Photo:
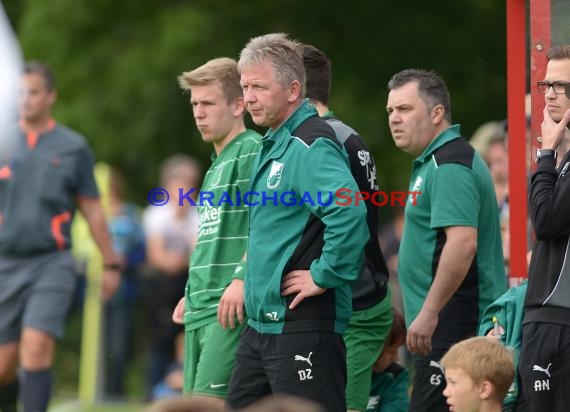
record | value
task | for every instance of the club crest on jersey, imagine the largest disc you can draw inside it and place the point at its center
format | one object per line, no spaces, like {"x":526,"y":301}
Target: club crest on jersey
{"x":415,"y":188}
{"x":275,"y":173}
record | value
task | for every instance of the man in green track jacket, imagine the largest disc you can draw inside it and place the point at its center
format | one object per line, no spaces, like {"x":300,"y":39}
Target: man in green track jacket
{"x":305,"y":246}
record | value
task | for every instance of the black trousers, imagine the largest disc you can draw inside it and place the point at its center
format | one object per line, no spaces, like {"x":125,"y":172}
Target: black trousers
{"x":544,"y":368}
{"x":310,"y":365}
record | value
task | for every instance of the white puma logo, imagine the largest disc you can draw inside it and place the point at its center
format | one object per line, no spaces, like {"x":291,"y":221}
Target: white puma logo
{"x":302,"y":358}
{"x":436,"y":365}
{"x":541,"y":369}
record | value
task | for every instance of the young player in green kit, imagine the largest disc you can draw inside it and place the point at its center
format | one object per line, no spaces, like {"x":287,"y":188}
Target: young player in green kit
{"x":212,"y":308}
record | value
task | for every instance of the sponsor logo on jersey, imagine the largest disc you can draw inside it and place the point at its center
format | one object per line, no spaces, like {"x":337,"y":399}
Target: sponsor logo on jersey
{"x":416,"y":188}
{"x":367,"y":161}
{"x":209,"y":220}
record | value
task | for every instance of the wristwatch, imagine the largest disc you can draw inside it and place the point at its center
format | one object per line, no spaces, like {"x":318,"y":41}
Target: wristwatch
{"x":545,"y":152}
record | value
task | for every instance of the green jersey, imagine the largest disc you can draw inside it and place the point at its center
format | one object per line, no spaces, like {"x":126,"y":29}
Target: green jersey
{"x":456,"y":190}
{"x":223,"y":230}
{"x":389,"y":390}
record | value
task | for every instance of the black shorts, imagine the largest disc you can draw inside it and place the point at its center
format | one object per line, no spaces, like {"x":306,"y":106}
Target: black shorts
{"x":309,"y":365}
{"x":544,"y":368}
{"x":429,"y":383}
{"x":36,"y":293}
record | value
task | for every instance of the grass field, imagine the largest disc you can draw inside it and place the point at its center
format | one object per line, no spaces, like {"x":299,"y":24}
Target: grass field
{"x":66,"y":368}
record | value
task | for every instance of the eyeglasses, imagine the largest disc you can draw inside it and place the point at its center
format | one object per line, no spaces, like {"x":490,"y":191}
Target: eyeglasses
{"x":559,"y":87}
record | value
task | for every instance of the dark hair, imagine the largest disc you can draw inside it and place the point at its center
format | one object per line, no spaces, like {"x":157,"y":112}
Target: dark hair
{"x":431,"y":88}
{"x":558,"y":52}
{"x":35,"y":67}
{"x":397,"y":334}
{"x":318,"y":70}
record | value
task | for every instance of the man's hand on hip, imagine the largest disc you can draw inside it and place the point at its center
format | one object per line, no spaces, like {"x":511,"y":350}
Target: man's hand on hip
{"x":302,"y":283}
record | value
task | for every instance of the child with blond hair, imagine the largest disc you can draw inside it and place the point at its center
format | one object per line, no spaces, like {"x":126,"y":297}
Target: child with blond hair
{"x":479,"y":372}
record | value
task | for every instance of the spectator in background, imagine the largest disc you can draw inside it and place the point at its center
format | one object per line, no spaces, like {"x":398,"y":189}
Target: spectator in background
{"x":41,"y":186}
{"x":390,"y":380}
{"x":170,"y":234}
{"x":173,"y":381}
{"x":450,"y":263}
{"x":497,"y":158}
{"x":128,"y":242}
{"x":485,"y":133}
{"x":490,"y":140}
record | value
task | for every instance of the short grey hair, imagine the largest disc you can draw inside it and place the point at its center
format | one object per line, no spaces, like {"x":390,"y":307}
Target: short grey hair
{"x":284,"y":55}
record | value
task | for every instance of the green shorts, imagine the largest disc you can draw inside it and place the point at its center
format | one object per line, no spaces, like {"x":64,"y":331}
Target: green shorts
{"x":209,"y":355}
{"x":364,"y":338}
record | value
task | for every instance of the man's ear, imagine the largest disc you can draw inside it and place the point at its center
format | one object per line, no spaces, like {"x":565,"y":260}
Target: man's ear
{"x":486,"y":390}
{"x":437,"y":114}
{"x":52,"y":97}
{"x":294,"y":90}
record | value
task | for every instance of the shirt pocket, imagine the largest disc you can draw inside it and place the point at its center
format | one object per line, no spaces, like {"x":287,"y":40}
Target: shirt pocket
{"x":53,"y":182}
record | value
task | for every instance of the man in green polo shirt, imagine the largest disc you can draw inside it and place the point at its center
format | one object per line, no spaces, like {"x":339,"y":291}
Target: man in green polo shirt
{"x":214,"y":291}
{"x":450,"y":260}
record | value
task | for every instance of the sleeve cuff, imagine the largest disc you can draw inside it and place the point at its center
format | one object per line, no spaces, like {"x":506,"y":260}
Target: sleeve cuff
{"x":239,"y":272}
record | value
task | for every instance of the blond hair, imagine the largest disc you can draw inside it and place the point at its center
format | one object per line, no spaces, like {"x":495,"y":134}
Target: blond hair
{"x":483,"y":359}
{"x":222,"y":70}
{"x":284,"y":55}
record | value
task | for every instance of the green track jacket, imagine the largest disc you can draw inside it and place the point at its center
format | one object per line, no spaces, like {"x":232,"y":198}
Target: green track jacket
{"x":296,"y":223}
{"x":509,"y":311}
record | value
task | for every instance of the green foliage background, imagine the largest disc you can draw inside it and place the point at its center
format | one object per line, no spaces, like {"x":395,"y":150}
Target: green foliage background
{"x":117,"y":63}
